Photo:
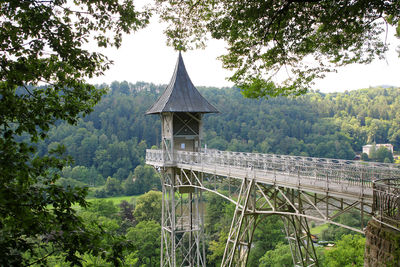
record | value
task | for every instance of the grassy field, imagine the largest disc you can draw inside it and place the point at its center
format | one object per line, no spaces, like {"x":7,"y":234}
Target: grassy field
{"x":115,"y":200}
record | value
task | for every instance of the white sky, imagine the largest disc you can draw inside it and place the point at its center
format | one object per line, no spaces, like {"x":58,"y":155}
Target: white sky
{"x":144,"y":56}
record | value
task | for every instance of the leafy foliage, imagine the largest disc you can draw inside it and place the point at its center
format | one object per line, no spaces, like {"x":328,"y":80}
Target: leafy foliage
{"x":146,"y":240}
{"x":113,"y":187}
{"x":304,"y":39}
{"x":136,"y":241}
{"x":144,"y":179}
{"x":218,"y":218}
{"x":42,"y":42}
{"x":349,"y":251}
{"x":103,"y":219}
{"x":217,"y":248}
{"x":216,"y":205}
{"x":148,"y":207}
{"x":381,"y":154}
{"x":103,"y":208}
{"x":321,"y":125}
{"x":281,"y":256}
{"x":268,"y":236}
{"x":111,"y":141}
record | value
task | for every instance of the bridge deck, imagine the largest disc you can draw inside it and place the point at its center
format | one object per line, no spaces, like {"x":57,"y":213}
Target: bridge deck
{"x":340,"y":178}
{"x":343,"y":189}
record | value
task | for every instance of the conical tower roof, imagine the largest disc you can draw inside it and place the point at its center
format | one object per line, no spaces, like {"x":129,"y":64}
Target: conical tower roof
{"x":181,"y":95}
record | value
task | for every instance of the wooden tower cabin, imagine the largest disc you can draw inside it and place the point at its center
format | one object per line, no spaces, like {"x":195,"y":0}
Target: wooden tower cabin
{"x":181,"y":107}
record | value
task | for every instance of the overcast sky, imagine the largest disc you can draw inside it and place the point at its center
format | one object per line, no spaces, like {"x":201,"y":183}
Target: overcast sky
{"x":144,"y":56}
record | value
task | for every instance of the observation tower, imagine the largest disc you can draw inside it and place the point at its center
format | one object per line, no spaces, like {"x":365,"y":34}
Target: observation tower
{"x":181,"y":108}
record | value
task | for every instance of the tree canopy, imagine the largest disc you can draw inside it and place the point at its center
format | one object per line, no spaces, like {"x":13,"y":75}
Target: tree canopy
{"x":43,"y":67}
{"x":301,"y":40}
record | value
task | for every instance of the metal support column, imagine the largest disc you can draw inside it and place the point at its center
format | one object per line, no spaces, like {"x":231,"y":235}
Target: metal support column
{"x":242,"y":228}
{"x":182,"y":234}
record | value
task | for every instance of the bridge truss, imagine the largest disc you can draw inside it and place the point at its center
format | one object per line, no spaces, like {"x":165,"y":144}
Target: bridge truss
{"x":296,"y":188}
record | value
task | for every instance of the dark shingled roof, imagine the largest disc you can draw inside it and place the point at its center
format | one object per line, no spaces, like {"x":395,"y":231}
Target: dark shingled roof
{"x":181,"y":95}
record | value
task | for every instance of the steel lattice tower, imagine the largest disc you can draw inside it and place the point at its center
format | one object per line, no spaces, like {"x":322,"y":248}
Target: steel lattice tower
{"x":181,"y":108}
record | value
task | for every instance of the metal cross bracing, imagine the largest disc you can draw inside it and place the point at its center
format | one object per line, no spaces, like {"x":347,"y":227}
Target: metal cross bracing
{"x":296,"y":188}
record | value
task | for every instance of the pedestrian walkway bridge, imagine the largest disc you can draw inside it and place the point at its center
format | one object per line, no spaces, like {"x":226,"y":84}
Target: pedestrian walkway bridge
{"x":294,"y":187}
{"x":340,"y":178}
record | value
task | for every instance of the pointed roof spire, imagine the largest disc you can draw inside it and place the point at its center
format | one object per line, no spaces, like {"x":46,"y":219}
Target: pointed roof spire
{"x":181,"y":95}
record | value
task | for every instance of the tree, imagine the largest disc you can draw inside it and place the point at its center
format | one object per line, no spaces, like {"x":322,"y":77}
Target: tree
{"x":144,"y":179}
{"x":266,"y":37}
{"x":372,"y":152}
{"x":108,"y":229}
{"x":217,"y":248}
{"x":383,"y":155}
{"x":126,"y":210}
{"x":148,"y":207}
{"x":103,"y":208}
{"x":146,"y":238}
{"x":349,"y":251}
{"x":217,"y":209}
{"x":42,"y":42}
{"x":113,"y":187}
{"x":129,"y":186}
{"x":124,"y":88}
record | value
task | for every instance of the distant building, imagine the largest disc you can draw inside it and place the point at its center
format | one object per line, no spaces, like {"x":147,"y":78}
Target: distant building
{"x":367,"y":148}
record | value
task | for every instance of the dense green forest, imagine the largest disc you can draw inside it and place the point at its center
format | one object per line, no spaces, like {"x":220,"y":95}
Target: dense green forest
{"x":108,"y":148}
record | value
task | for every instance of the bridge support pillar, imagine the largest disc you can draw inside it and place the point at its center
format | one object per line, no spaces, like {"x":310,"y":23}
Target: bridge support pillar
{"x":242,"y":228}
{"x":382,"y":245}
{"x":182,"y":236}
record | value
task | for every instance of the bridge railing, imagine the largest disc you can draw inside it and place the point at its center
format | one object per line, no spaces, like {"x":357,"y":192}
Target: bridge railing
{"x":337,"y":171}
{"x":155,"y":155}
{"x":386,"y":203}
